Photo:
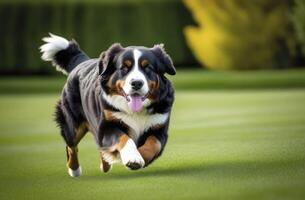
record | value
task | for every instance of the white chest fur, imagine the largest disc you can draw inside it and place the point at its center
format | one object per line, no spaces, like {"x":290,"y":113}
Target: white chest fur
{"x":140,"y":122}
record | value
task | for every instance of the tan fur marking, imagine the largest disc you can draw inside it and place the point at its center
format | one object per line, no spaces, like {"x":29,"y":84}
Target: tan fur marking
{"x":108,"y":115}
{"x":120,"y":84}
{"x":122,"y":141}
{"x":153,"y":86}
{"x":72,"y":160}
{"x":109,"y":83}
{"x":150,"y":149}
{"x":114,"y":88}
{"x":115,"y":148}
{"x":80,"y":132}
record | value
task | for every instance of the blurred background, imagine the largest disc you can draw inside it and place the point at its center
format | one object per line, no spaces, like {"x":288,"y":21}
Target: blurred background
{"x":237,"y":129}
{"x":211,"y":34}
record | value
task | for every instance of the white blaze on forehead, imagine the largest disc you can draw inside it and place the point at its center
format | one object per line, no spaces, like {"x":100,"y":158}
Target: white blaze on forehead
{"x":136,"y":55}
{"x":136,"y":74}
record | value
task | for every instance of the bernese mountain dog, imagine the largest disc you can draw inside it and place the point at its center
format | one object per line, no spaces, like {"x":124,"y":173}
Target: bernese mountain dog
{"x":123,"y":98}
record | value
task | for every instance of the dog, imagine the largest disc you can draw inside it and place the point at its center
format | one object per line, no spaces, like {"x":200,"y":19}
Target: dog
{"x":123,"y":98}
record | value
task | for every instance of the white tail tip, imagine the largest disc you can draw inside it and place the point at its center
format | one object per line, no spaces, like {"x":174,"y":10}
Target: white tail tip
{"x":53,"y":44}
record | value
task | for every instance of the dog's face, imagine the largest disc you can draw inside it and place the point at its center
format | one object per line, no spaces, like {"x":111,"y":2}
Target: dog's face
{"x":133,"y":75}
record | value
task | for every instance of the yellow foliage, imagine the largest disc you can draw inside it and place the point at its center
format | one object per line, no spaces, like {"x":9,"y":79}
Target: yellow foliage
{"x":236,"y":34}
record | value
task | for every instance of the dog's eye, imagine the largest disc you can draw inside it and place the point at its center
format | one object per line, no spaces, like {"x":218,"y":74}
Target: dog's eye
{"x":127,"y":63}
{"x":144,"y":63}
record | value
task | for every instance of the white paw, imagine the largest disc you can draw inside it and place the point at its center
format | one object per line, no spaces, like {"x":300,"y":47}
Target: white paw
{"x":131,"y":157}
{"x":75,"y":173}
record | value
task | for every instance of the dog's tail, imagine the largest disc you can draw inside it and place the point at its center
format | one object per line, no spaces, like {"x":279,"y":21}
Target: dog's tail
{"x":63,"y":54}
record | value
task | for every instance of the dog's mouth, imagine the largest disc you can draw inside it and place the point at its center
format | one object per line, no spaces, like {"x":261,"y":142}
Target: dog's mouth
{"x":135,"y":100}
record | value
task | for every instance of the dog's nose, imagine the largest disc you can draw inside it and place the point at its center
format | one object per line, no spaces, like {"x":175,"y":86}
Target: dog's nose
{"x":137,"y":84}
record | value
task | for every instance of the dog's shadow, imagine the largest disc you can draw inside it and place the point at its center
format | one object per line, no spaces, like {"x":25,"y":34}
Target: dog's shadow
{"x":200,"y":170}
{"x":145,"y":173}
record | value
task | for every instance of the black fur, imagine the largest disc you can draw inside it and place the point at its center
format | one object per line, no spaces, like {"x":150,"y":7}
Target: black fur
{"x":167,"y":63}
{"x":107,"y":59}
{"x":70,"y":57}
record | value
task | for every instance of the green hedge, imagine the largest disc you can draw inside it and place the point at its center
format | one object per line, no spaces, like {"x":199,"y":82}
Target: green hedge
{"x":298,"y":18}
{"x":94,"y":24}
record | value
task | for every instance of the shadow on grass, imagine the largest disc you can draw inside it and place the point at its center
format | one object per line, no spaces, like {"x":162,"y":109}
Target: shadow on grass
{"x":223,"y":170}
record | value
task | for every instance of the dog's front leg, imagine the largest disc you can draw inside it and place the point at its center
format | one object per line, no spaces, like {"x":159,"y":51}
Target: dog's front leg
{"x":129,"y":153}
{"x":115,"y":143}
{"x":150,"y":149}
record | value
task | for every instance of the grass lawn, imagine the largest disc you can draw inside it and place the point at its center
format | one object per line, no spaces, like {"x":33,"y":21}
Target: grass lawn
{"x":224,"y":144}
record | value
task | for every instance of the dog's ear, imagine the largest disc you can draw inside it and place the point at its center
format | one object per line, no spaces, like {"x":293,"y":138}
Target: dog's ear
{"x":107,"y":59}
{"x":165,"y":60}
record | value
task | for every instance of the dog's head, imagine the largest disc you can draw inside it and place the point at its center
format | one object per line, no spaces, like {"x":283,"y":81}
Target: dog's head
{"x":133,"y":77}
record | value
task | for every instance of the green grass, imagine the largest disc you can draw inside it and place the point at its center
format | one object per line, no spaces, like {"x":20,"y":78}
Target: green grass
{"x":224,"y":144}
{"x":260,"y":79}
{"x":190,"y":79}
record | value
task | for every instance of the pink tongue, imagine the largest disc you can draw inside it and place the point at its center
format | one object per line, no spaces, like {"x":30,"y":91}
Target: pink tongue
{"x":135,"y":103}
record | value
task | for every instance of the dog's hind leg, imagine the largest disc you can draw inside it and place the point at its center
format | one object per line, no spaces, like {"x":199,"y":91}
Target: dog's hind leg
{"x":72,"y":135}
{"x":74,"y":168}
